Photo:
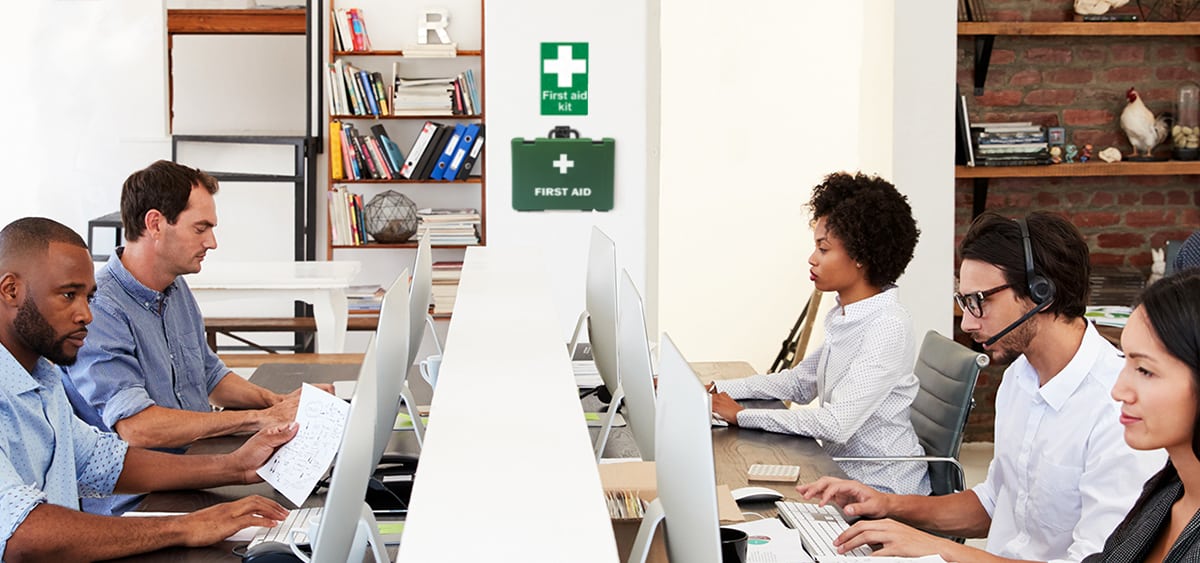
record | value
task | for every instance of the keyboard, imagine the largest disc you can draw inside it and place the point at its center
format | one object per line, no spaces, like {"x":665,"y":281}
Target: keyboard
{"x":818,"y":527}
{"x":297,"y":519}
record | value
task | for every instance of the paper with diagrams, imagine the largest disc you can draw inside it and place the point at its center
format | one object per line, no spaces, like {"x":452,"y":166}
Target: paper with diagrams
{"x":297,"y":466}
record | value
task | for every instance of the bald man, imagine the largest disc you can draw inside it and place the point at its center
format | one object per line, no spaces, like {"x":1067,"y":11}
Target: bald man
{"x":49,"y":458}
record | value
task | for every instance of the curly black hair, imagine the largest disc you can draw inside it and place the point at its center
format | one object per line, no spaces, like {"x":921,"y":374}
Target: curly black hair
{"x":873,"y":221}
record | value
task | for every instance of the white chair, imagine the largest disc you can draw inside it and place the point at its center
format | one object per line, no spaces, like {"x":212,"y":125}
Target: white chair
{"x":633,"y":360}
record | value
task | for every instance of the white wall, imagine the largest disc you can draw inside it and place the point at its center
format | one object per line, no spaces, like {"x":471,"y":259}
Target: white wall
{"x":616,"y":34}
{"x":85,"y":97}
{"x":761,"y":100}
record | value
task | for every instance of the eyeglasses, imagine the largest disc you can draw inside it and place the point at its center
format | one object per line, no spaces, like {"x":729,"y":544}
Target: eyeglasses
{"x":973,"y":302}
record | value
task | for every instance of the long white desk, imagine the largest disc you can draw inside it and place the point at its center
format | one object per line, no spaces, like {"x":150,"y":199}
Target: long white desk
{"x":507,"y":471}
{"x":320,"y":284}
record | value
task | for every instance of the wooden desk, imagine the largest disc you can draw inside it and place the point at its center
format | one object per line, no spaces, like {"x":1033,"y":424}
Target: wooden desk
{"x":507,"y":471}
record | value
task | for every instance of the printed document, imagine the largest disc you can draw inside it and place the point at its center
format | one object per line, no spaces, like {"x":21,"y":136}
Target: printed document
{"x":297,"y":466}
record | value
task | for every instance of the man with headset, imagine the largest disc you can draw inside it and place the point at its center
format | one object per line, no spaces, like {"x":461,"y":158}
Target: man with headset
{"x":1062,"y":477}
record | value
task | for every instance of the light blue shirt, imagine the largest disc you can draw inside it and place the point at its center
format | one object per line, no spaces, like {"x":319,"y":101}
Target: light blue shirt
{"x":144,"y":348}
{"x":46,"y":453}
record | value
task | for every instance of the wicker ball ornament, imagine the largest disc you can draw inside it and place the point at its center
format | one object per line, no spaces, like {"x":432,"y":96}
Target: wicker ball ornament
{"x":391,"y":217}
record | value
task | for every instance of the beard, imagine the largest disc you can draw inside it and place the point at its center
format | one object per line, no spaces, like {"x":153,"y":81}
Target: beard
{"x":1009,"y":348}
{"x":39,"y":336}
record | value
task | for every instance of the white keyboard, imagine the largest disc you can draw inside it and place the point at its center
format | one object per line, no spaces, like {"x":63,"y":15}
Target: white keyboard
{"x":818,"y":527}
{"x":297,"y":519}
{"x":767,"y":472}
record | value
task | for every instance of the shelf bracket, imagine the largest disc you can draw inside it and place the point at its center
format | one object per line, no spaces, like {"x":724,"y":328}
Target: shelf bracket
{"x":983,"y":57}
{"x":979,"y":197}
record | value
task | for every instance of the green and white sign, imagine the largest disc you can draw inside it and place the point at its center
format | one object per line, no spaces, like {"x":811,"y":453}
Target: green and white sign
{"x":564,"y":78}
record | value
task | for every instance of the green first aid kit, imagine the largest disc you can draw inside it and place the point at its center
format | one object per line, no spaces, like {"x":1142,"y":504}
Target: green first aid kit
{"x":562,"y":172}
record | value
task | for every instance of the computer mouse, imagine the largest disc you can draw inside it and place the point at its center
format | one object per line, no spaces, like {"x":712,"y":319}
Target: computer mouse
{"x":270,"y":552}
{"x":756,"y":494}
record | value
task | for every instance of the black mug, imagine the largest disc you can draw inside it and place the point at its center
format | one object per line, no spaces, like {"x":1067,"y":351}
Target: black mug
{"x":733,"y":545}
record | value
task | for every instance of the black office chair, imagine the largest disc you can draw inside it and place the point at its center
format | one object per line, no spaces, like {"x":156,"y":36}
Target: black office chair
{"x":947,"y":372}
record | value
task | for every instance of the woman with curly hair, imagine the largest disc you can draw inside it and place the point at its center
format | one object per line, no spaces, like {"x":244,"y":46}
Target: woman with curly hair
{"x":861,"y":375}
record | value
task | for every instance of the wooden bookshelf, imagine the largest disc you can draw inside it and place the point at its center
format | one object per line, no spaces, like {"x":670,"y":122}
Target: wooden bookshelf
{"x":236,"y":22}
{"x":1167,"y":168}
{"x":1079,"y":28}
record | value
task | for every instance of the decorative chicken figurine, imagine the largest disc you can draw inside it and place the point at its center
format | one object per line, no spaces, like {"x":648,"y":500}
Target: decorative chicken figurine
{"x":1143,"y":129}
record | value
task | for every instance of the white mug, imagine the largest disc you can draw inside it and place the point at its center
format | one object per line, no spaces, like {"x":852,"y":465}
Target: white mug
{"x":429,"y":369}
{"x":310,"y":536}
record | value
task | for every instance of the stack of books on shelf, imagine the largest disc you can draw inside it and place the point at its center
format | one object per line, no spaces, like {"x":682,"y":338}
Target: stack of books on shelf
{"x":444,"y":152}
{"x":346,"y":219}
{"x":364,"y":157}
{"x":1111,"y":285}
{"x":450,"y":95}
{"x":350,"y":30}
{"x":364,"y":299}
{"x":446,"y":276}
{"x":449,"y":227}
{"x":1010,"y":144}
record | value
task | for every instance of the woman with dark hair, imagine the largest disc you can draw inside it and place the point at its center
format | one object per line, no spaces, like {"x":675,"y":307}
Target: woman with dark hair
{"x":1158,"y":389}
{"x":861,"y":375}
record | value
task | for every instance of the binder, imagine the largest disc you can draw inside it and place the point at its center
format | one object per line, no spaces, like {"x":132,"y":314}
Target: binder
{"x":430,"y":156}
{"x":460,"y":152}
{"x":472,"y":155}
{"x":335,"y":163}
{"x":439,"y":168}
{"x":418,"y":147}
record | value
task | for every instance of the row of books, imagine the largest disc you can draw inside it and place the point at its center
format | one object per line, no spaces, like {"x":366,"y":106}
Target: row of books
{"x":348,"y":225}
{"x":446,"y":276}
{"x":359,"y":157}
{"x":350,"y":30}
{"x":364,"y":299}
{"x":449,"y":227}
{"x":444,"y":152}
{"x":355,"y":91}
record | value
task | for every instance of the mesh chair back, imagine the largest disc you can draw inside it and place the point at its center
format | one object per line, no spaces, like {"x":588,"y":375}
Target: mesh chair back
{"x":947,"y":372}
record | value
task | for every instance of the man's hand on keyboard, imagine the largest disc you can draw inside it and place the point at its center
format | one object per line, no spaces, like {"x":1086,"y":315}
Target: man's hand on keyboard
{"x":898,"y":540}
{"x":855,"y":499}
{"x":259,"y":448}
{"x":215,"y":523}
{"x":725,"y":406}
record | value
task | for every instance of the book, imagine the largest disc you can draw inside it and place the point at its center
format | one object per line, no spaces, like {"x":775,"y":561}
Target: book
{"x":964,"y":153}
{"x":395,"y":159}
{"x":1106,"y":17}
{"x":335,"y":163}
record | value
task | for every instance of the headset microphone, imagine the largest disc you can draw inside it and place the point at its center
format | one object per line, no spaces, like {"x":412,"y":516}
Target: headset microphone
{"x":1016,"y":324}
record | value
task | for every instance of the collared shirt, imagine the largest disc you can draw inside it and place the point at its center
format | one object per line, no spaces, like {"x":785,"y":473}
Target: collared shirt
{"x":869,"y":386}
{"x":1062,"y":476}
{"x":1149,"y":519}
{"x":143,"y":348}
{"x":46,"y":453}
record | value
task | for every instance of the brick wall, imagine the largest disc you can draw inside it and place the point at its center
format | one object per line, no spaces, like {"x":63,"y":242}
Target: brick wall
{"x":1079,"y":83}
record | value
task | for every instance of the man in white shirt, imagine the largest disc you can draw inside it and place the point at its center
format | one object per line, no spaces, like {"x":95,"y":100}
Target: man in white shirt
{"x":1062,"y":477}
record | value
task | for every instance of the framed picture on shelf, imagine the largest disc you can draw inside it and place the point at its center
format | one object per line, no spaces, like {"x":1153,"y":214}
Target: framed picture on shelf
{"x":1056,"y":135}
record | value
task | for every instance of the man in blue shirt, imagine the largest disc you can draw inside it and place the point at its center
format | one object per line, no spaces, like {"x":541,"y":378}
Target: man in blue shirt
{"x":49,"y":458}
{"x":146,"y":371}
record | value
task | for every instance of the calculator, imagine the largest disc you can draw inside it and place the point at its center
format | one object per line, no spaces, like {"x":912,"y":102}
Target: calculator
{"x":780,"y":473}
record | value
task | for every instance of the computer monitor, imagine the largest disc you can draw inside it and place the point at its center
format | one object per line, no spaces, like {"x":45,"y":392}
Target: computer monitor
{"x":633,"y":358}
{"x":685,"y":473}
{"x":601,"y":317}
{"x":419,"y":295}
{"x":392,"y":359}
{"x":347,"y":525}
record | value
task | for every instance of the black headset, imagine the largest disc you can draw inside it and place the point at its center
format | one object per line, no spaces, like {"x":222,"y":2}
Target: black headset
{"x":1041,"y":289}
